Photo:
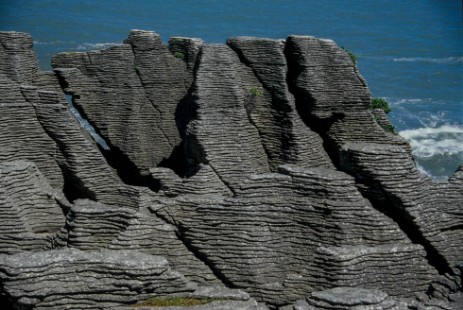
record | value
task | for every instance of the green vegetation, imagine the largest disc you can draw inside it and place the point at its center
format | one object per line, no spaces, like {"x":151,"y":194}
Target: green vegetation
{"x":352,"y":56}
{"x":389,"y":128}
{"x":256,"y":92}
{"x":179,"y":55}
{"x":380,"y":103}
{"x":175,"y":301}
{"x":136,"y":69}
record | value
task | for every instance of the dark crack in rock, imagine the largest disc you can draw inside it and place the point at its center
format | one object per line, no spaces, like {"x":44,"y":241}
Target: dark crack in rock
{"x":270,"y":238}
{"x":254,"y":165}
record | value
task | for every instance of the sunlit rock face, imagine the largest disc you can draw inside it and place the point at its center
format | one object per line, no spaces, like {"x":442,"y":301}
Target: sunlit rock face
{"x":252,"y":165}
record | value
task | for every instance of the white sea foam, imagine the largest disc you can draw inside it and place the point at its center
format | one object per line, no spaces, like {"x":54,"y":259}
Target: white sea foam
{"x":428,"y":142}
{"x":448,"y":60}
{"x":96,"y":46}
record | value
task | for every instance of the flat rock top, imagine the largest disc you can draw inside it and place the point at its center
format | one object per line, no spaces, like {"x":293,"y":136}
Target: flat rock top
{"x":129,"y":259}
{"x":350,"y":296}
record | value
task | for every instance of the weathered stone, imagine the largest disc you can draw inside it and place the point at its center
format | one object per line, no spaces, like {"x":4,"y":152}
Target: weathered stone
{"x":22,"y":137}
{"x":222,"y":135}
{"x":344,"y":298}
{"x":267,"y":239}
{"x":17,"y":57}
{"x":31,"y":211}
{"x":255,"y":164}
{"x":271,"y":107}
{"x":74,"y":279}
{"x":145,"y":232}
{"x":432,"y":211}
{"x":138,"y":85}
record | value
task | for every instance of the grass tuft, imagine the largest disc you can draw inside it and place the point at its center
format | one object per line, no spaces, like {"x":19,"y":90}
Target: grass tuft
{"x":179,"y":55}
{"x":256,"y":92}
{"x":174,"y":301}
{"x":380,"y":103}
{"x":352,"y":56}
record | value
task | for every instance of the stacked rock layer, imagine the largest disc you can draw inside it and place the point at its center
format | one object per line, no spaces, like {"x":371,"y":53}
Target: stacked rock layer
{"x":254,"y":164}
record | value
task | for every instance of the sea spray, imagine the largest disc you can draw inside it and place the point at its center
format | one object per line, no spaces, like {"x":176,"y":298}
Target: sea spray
{"x":439,"y":150}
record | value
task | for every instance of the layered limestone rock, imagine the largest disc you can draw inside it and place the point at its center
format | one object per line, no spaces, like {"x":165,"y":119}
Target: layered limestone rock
{"x":147,"y":233}
{"x":22,"y":136}
{"x":271,"y":239}
{"x":136,"y":85}
{"x":75,"y":279}
{"x":31,"y":211}
{"x":334,"y":97}
{"x":415,"y":202}
{"x":272,"y":109}
{"x":17,"y":57}
{"x":345,"y":298}
{"x":254,"y":164}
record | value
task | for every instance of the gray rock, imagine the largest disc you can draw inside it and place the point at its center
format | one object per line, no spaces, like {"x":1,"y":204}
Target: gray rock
{"x":272,"y":109}
{"x":22,"y":137}
{"x":222,"y":119}
{"x":346,"y":266}
{"x":74,"y":279}
{"x":344,"y":298}
{"x":145,"y":232}
{"x":214,"y":305}
{"x":255,"y":164}
{"x":266,"y":240}
{"x":325,"y":77}
{"x":17,"y":57}
{"x":31,"y":211}
{"x":429,"y":211}
{"x":137,"y":84}
{"x":381,"y":162}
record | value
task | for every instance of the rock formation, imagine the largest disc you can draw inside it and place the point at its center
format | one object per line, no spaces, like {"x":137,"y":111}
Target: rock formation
{"x":251,"y":173}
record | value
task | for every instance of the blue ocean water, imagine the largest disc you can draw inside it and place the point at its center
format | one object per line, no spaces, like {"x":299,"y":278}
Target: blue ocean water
{"x":410,"y":52}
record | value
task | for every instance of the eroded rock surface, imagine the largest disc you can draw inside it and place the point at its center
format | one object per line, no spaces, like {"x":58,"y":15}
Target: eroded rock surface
{"x":254,"y":164}
{"x":76,"y":279}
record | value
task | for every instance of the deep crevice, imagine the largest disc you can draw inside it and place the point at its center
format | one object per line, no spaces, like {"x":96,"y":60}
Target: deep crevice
{"x":305,"y":102}
{"x":83,"y":122}
{"x":186,"y":157}
{"x":370,"y":189}
{"x":5,"y":303}
{"x":281,"y":116}
{"x":127,"y":171}
{"x":73,"y":187}
{"x":382,"y":201}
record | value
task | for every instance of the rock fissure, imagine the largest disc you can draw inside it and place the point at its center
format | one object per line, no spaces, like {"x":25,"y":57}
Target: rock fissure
{"x":201,"y":257}
{"x":389,"y":205}
{"x":230,"y":188}
{"x":299,"y":197}
{"x":435,"y":259}
{"x":137,"y":71}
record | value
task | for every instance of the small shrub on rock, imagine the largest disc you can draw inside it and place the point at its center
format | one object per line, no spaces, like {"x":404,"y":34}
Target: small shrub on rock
{"x":380,"y":103}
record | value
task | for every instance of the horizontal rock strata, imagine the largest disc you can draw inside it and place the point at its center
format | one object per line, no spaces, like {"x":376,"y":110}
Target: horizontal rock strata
{"x":31,"y":211}
{"x":268,"y":239}
{"x":74,"y":279}
{"x":254,"y":164}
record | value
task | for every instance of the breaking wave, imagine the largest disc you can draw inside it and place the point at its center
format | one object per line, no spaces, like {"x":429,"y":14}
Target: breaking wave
{"x":438,"y":151}
{"x":448,"y":60}
{"x":428,"y":142}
